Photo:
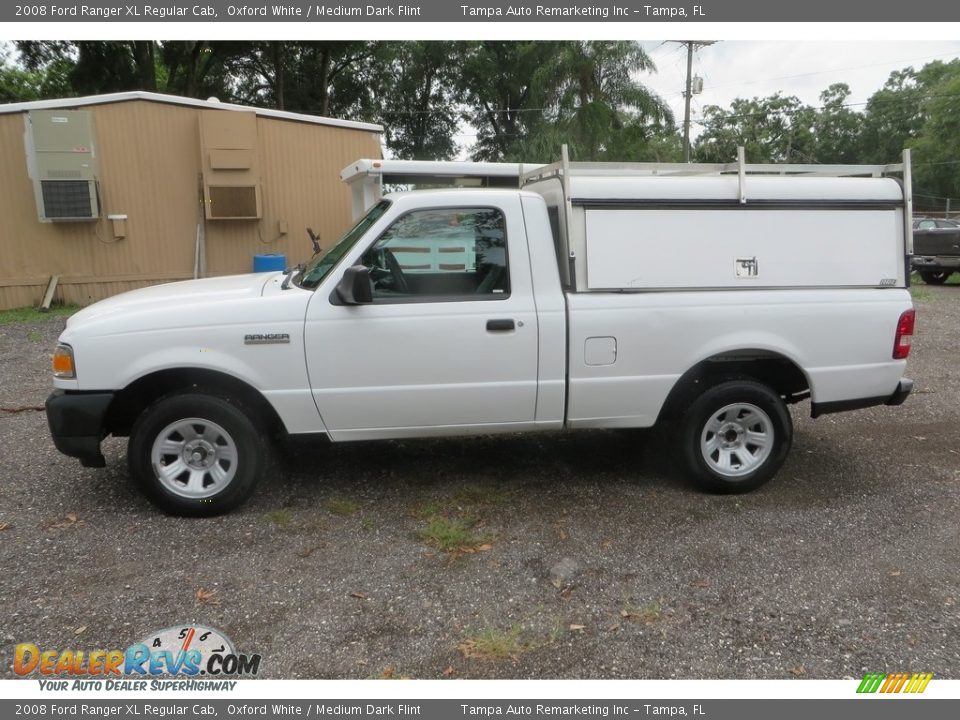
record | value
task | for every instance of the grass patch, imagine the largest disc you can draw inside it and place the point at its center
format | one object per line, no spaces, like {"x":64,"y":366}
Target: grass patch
{"x":480,"y":495}
{"x":452,"y":534}
{"x":280,"y":518}
{"x":340,"y":506}
{"x":31,"y":314}
{"x":494,"y":644}
{"x":646,"y":614}
{"x":428,"y":511}
{"x":919,"y":293}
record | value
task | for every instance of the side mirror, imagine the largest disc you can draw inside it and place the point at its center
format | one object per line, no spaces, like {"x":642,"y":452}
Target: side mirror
{"x":354,"y":287}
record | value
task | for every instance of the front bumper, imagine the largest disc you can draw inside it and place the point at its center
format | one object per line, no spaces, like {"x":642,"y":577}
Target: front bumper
{"x":76,"y":424}
{"x":904,"y":388}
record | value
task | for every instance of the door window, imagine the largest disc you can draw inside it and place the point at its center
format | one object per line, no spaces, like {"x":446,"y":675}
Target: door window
{"x":441,"y":253}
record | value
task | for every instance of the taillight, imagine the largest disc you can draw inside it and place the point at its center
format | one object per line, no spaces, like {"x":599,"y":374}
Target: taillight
{"x":901,"y":343}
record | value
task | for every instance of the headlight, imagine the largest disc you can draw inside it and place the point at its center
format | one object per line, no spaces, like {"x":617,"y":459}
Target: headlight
{"x":63,"y":366}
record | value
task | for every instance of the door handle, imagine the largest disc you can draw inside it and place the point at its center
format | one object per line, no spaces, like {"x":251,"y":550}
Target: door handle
{"x":500,"y":325}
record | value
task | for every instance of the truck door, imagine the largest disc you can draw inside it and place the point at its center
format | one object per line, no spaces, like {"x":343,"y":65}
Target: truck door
{"x":449,"y":343}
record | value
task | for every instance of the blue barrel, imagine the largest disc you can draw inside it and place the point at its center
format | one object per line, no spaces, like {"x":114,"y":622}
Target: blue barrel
{"x":269,"y":263}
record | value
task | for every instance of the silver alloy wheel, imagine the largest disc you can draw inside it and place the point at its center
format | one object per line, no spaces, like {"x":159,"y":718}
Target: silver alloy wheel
{"x":194,"y":458}
{"x":736,"y":440}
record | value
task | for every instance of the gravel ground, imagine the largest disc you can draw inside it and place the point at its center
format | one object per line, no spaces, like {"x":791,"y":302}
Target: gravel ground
{"x":590,"y":560}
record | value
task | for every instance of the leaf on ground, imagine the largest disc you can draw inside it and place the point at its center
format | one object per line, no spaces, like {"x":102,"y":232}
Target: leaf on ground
{"x":5,"y":526}
{"x":648,"y":617}
{"x":79,"y":630}
{"x":450,"y":671}
{"x":387,"y":672}
{"x":700,"y":583}
{"x":578,"y":628}
{"x":307,"y":552}
{"x":798,"y":671}
{"x":68,"y":520}
{"x":895,"y":573}
{"x":472,"y":549}
{"x":359,"y":595}
{"x":207,"y":597}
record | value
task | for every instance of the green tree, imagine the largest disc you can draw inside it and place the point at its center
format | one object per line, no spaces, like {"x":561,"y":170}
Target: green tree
{"x":837,"y":129}
{"x":528,"y":98}
{"x":96,"y":66}
{"x":419,"y":99}
{"x":771,"y":129}
{"x":893,"y":117}
{"x":602,"y":110}
{"x":311,"y":77}
{"x":18,"y":84}
{"x":936,"y":159}
{"x":506,"y":86}
{"x":188,"y":68}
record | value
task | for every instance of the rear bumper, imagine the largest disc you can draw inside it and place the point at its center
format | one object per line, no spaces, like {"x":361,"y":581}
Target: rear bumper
{"x":904,"y":387}
{"x":935,"y":262}
{"x":76,"y":424}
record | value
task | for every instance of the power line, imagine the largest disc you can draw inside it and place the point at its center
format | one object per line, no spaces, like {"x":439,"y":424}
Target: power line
{"x":808,"y":108}
{"x":835,"y":70}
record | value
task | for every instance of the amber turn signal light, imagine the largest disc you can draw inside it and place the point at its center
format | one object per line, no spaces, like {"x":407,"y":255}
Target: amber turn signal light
{"x":63,"y":362}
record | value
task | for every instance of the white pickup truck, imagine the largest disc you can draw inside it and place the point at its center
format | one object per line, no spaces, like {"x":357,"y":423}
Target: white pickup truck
{"x":707,"y":297}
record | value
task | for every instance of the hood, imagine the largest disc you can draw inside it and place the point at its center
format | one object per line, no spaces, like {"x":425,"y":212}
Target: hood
{"x":170,"y":296}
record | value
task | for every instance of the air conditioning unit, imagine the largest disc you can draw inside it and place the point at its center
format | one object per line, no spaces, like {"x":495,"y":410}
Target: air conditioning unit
{"x":61,"y":160}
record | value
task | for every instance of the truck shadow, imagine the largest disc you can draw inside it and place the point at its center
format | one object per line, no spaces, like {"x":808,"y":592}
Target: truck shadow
{"x":529,"y":460}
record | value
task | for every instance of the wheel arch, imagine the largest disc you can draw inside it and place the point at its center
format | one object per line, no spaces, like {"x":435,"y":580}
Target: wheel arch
{"x":769,"y":367}
{"x":142,"y":392}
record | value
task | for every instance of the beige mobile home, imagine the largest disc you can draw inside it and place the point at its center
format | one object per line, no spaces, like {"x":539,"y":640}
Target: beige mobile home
{"x":114,"y":192}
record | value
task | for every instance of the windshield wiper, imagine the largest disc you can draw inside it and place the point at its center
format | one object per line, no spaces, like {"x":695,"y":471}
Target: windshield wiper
{"x":298,"y":268}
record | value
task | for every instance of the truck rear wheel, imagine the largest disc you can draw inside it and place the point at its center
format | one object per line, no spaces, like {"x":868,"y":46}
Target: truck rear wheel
{"x":195,"y":454}
{"x":735,"y":436}
{"x":934,"y":277}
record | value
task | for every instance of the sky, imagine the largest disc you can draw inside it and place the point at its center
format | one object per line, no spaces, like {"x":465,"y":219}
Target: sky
{"x":736,"y":68}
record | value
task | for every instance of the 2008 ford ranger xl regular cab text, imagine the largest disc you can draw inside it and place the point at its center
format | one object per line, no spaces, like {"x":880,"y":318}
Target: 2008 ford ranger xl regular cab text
{"x":591,"y":297}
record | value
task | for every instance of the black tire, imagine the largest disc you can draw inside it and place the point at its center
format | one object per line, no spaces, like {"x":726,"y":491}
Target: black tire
{"x":218,"y":439}
{"x":741,"y":413}
{"x":935,"y":277}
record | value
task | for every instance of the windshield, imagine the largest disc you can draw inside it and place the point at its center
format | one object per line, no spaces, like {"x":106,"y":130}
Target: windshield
{"x":318,"y":268}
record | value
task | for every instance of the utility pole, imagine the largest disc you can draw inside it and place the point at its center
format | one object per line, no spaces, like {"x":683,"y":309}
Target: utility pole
{"x":691,"y":46}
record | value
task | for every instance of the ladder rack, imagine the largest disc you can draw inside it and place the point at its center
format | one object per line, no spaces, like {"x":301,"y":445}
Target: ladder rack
{"x":564,"y":170}
{"x":615,"y":169}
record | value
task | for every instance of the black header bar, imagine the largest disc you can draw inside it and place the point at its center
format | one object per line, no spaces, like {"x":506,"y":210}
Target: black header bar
{"x":485,"y":11}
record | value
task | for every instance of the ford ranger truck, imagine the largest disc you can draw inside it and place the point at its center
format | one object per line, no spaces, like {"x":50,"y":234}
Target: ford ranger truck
{"x":706,"y":300}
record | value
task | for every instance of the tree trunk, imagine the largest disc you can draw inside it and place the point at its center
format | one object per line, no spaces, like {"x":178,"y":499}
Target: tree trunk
{"x":279,"y":75}
{"x":143,"y":57}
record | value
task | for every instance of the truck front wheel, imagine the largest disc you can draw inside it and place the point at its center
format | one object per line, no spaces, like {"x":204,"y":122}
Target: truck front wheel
{"x":196,"y":454}
{"x":735,"y":436}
